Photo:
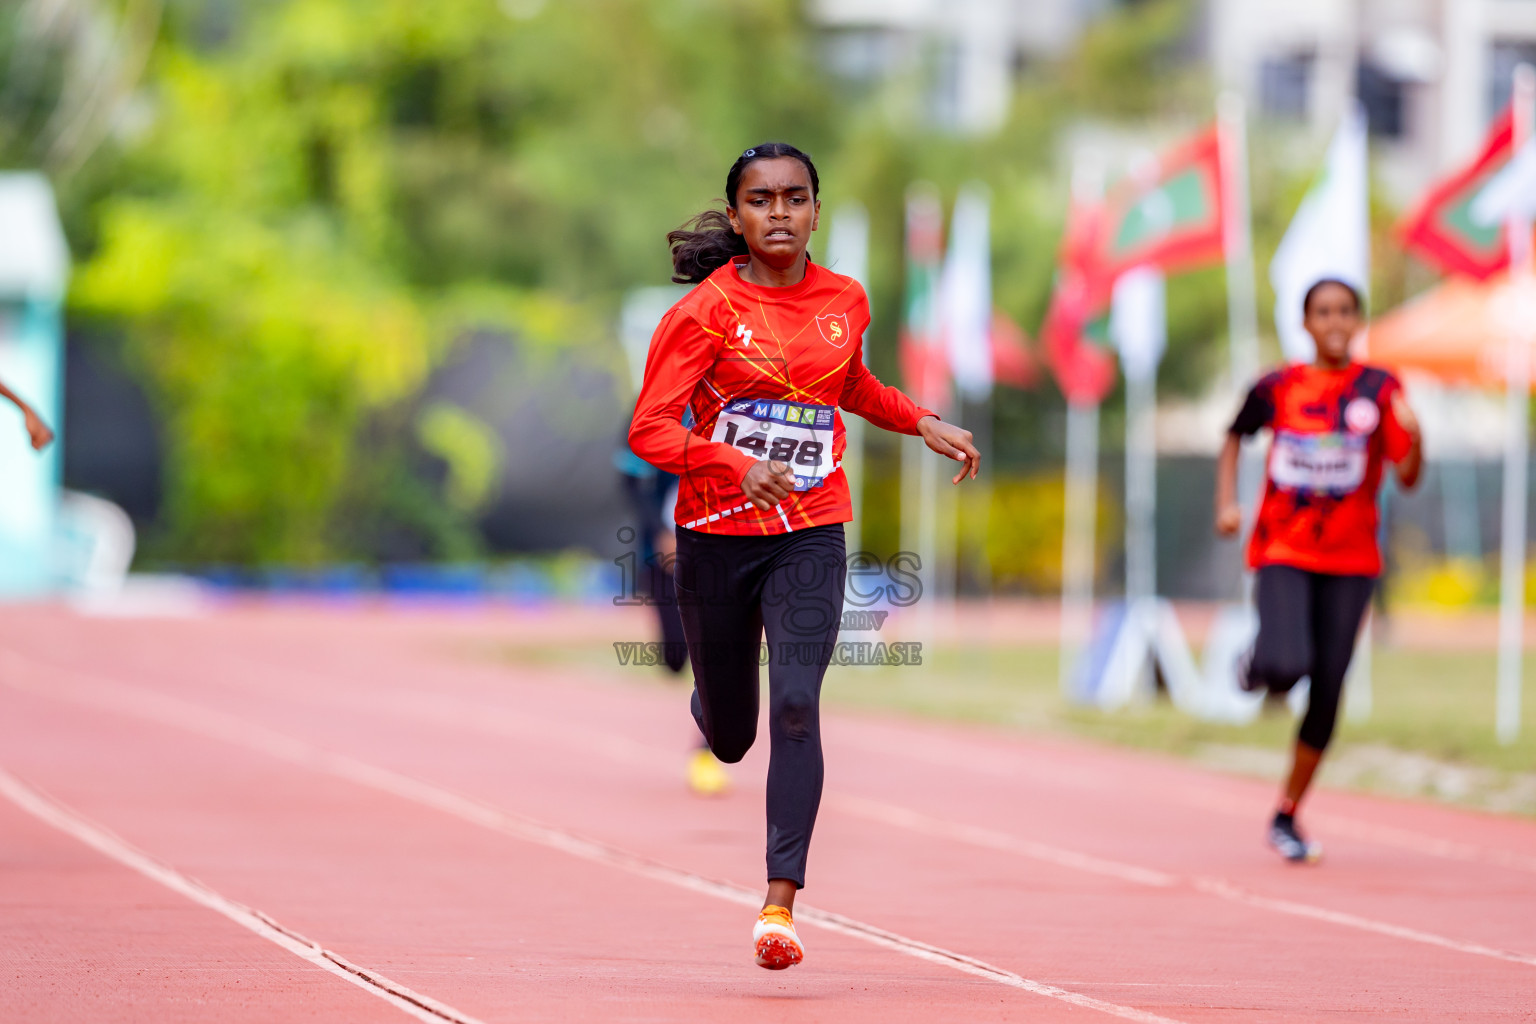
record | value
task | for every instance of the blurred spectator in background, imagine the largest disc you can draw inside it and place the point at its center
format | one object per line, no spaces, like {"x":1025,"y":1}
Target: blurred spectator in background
{"x":652,"y":496}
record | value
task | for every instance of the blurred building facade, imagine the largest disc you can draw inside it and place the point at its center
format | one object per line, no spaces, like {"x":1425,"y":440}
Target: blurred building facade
{"x":1431,"y":73}
{"x":972,"y":48}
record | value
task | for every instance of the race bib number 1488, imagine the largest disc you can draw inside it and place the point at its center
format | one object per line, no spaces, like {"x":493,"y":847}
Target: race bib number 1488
{"x":1333,"y":464}
{"x":798,"y":435}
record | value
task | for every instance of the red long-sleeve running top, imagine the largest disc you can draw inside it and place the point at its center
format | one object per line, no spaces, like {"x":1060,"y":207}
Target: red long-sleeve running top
{"x":763,"y":371}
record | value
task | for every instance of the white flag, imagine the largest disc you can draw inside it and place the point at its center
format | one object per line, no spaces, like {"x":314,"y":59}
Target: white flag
{"x":966,"y":295}
{"x":1330,"y":236}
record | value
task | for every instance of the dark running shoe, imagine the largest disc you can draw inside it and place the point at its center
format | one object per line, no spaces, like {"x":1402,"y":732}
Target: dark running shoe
{"x":1290,"y":843}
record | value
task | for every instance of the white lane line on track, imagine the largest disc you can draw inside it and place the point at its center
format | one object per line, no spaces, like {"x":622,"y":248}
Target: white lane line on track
{"x":913,"y":821}
{"x":104,"y":841}
{"x":106,"y":694}
{"x":1226,"y":891}
{"x":454,"y":713}
{"x":1381,"y":835}
{"x":1012,"y":765}
{"x":902,"y":817}
{"x":630,"y":753}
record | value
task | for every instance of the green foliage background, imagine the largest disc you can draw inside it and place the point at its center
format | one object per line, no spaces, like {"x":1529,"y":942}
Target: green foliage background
{"x":314,"y":199}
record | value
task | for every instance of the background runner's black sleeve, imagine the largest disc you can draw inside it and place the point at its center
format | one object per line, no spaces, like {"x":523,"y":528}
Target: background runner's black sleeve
{"x":1257,"y":412}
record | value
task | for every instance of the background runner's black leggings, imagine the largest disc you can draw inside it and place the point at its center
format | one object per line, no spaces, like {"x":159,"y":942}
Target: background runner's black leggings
{"x":730,"y":590}
{"x":647,"y":496}
{"x":1308,"y":622}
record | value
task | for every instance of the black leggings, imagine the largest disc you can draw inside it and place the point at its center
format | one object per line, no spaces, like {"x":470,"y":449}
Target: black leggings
{"x":730,"y":590}
{"x":1308,"y":622}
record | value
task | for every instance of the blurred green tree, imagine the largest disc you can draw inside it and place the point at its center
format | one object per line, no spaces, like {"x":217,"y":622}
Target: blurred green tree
{"x":331,"y":191}
{"x":307,"y":202}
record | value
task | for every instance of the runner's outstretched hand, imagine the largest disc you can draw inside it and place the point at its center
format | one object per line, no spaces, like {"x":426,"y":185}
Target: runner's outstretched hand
{"x":37,"y":431}
{"x":1409,"y":465}
{"x":768,"y":483}
{"x":1229,"y":520}
{"x":953,"y":442}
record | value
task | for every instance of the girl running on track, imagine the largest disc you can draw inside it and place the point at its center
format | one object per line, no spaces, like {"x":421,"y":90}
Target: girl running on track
{"x":1314,"y":553}
{"x":763,"y":353}
{"x":37,"y":431}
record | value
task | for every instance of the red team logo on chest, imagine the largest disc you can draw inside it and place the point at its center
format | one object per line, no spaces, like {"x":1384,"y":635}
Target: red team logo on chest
{"x":833,"y":328}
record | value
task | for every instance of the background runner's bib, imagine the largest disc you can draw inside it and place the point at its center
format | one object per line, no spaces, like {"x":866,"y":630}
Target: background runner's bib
{"x":1332,"y":463}
{"x":788,"y":432}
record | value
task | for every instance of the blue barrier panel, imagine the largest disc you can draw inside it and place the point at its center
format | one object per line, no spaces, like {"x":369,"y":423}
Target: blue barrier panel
{"x":34,"y":266}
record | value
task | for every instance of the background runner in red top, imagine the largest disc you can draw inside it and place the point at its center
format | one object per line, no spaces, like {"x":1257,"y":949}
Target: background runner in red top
{"x":1314,"y":547}
{"x":775,"y":363}
{"x":1333,"y":429}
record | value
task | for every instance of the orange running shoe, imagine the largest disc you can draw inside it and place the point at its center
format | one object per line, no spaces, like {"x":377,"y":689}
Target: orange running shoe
{"x":775,"y":940}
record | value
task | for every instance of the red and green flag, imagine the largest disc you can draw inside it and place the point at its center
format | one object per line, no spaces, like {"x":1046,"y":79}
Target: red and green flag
{"x":1013,"y":363}
{"x":1166,"y":213}
{"x":1084,"y":369}
{"x":920,"y":351}
{"x":1441,"y":231}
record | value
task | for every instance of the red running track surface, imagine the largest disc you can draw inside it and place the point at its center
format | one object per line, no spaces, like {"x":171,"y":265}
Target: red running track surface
{"x":196,"y":808}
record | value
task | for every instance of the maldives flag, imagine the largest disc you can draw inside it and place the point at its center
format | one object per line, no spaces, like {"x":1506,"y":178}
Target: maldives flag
{"x":920,"y":351}
{"x":1441,"y":230}
{"x":1084,"y":371}
{"x":1165,"y":214}
{"x":1012,"y":361}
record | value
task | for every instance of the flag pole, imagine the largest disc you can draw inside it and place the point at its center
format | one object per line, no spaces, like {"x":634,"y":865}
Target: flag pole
{"x":848,"y":253}
{"x":966,"y":311}
{"x":1517,"y":401}
{"x":1077,"y":535}
{"x":981,"y":493}
{"x":1242,"y":294}
{"x":1242,"y":301}
{"x":911,"y":498}
{"x":1081,"y":497}
{"x":1140,"y":340}
{"x":938,"y":589}
{"x":1138,"y":324}
{"x":920,"y":471}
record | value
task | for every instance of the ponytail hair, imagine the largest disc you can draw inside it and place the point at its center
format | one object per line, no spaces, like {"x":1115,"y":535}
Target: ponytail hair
{"x":708,"y":242}
{"x":703,"y":244}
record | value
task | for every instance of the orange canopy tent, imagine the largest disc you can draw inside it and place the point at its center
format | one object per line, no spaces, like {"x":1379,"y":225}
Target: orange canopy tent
{"x":1457,"y":332}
